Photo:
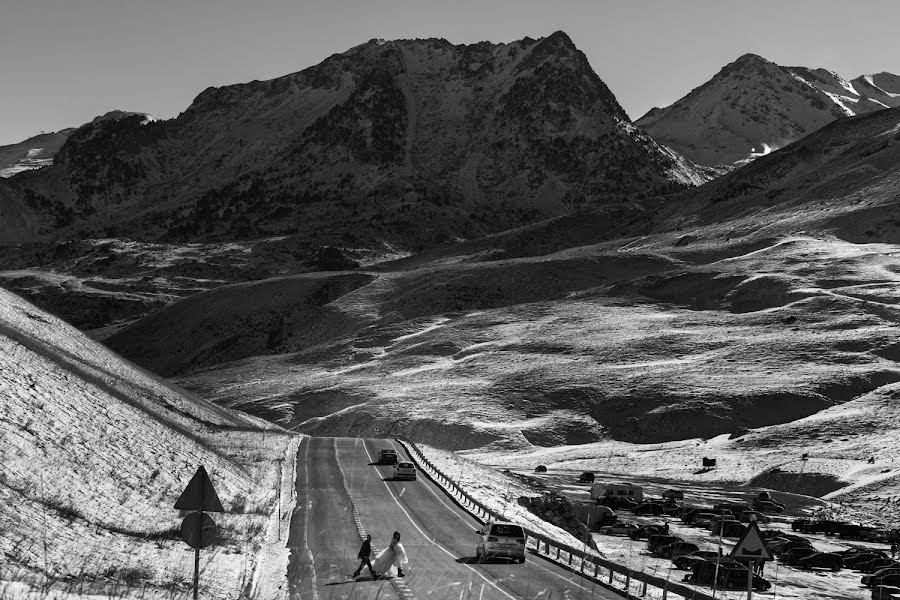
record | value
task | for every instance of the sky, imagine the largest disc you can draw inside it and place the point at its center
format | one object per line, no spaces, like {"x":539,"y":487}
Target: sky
{"x":67,"y":61}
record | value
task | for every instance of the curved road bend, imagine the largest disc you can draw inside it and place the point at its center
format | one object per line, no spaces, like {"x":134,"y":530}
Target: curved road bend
{"x":438,"y":535}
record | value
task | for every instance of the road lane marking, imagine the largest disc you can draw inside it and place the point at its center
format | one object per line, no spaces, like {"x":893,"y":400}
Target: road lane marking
{"x":436,"y":545}
{"x":574,"y":581}
{"x":309,"y":554}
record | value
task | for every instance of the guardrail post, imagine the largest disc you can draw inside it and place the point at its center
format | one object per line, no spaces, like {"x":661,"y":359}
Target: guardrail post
{"x":610,"y":576}
{"x":627,"y":581}
{"x":557,"y":553}
{"x":644,"y":589}
{"x":597,"y":568}
{"x":665,"y":593}
{"x":570,"y":559}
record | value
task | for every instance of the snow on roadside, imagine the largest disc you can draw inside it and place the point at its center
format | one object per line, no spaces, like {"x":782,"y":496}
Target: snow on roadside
{"x":94,"y":453}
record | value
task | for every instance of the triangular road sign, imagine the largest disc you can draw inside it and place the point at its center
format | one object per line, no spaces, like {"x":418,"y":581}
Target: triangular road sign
{"x":751,"y":546}
{"x":199,"y":494}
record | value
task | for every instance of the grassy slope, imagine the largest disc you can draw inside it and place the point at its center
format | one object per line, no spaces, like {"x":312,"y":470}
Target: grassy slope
{"x":95,"y":452}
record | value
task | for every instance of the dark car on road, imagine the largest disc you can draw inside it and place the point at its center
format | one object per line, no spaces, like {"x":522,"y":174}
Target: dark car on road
{"x":645,"y":531}
{"x":586,"y":477}
{"x":821,"y":560}
{"x":796,"y":553}
{"x":387,"y":456}
{"x":540,"y":469}
{"x":618,"y":528}
{"x":768,"y":506}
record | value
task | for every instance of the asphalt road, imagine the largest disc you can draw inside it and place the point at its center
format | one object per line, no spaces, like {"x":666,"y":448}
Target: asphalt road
{"x":439,"y":537}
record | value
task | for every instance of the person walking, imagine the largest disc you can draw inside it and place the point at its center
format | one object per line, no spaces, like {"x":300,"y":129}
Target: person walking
{"x":394,"y":556}
{"x":365,"y":555}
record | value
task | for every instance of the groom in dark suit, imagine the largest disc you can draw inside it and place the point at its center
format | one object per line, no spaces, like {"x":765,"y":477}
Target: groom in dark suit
{"x":365,"y":555}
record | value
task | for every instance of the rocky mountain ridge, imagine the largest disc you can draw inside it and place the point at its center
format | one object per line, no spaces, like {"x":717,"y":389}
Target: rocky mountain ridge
{"x":408,"y":141}
{"x":753,"y":106}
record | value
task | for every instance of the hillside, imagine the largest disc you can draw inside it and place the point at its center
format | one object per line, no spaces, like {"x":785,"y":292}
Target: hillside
{"x":373,"y":154}
{"x":406,"y":141}
{"x":35,"y":152}
{"x":753,"y":106}
{"x":95,"y":452}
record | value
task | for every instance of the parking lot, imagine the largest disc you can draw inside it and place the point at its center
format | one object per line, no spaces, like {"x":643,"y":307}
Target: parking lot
{"x":787,"y":581}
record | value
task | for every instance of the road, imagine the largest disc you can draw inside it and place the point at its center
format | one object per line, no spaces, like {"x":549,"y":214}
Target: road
{"x":439,"y":537}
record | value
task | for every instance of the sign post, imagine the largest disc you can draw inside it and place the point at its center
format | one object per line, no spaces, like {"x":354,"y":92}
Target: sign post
{"x":198,"y":530}
{"x":751,"y":548}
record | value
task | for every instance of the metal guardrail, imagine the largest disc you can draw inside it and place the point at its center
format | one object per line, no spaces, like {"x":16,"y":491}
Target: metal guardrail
{"x":618,"y":578}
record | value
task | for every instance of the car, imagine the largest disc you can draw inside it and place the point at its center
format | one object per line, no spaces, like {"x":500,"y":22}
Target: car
{"x":870,"y":566}
{"x":729,"y":529}
{"x":586,"y":477}
{"x":889,"y":570}
{"x":619,"y":528}
{"x":405,"y":470}
{"x":876,"y":535}
{"x":703,"y":518}
{"x":768,"y":506}
{"x":859,"y":558}
{"x":540,"y":469}
{"x":885,"y":592}
{"x":673,"y":495}
{"x":647,"y":530}
{"x":886,"y":580}
{"x":500,"y":539}
{"x":793,"y":555}
{"x":727,"y":574}
{"x":754,"y":515}
{"x":656,"y":541}
{"x":617,"y":502}
{"x":783,"y":546}
{"x":648,"y":508}
{"x":821,"y":560}
{"x":676,"y":549}
{"x":802,"y":525}
{"x":387,"y":456}
{"x":686,"y":560}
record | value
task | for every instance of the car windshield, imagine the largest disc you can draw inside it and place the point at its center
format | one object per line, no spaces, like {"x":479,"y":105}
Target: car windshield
{"x":404,"y":465}
{"x":389,"y":452}
{"x":507,"y":531}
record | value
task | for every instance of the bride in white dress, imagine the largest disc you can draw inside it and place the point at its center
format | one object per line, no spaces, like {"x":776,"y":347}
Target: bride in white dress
{"x":389,"y":562}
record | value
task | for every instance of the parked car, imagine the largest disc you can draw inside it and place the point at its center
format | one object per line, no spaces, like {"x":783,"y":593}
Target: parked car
{"x":803,"y":525}
{"x":854,"y":560}
{"x":768,"y":506}
{"x":540,"y":469}
{"x":648,"y":509}
{"x":886,"y":580}
{"x":875,"y":535}
{"x":793,"y":555}
{"x":617,"y":502}
{"x":685,"y":561}
{"x":676,"y":549}
{"x":619,"y":528}
{"x":673,"y":495}
{"x":387,"y":456}
{"x":731,"y":574}
{"x":500,"y":538}
{"x":821,"y":560}
{"x":746,"y":516}
{"x":729,"y":529}
{"x":647,"y":530}
{"x":671,"y":509}
{"x":870,"y":566}
{"x":889,"y":570}
{"x":885,"y":592}
{"x":657,"y":541}
{"x":405,"y":470}
{"x":586,"y":477}
{"x":701,"y":519}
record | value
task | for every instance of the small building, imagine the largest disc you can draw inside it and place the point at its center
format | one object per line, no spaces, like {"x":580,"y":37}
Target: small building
{"x":617,"y":490}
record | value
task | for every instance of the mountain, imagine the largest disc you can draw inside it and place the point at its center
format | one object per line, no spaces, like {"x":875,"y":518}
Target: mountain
{"x":33,"y":153}
{"x":406,"y":141}
{"x":96,"y":451}
{"x":753,"y":106}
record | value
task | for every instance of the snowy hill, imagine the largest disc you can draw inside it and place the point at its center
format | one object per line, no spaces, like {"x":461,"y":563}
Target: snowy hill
{"x":95,"y":452}
{"x":753,"y":106}
{"x":33,"y":153}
